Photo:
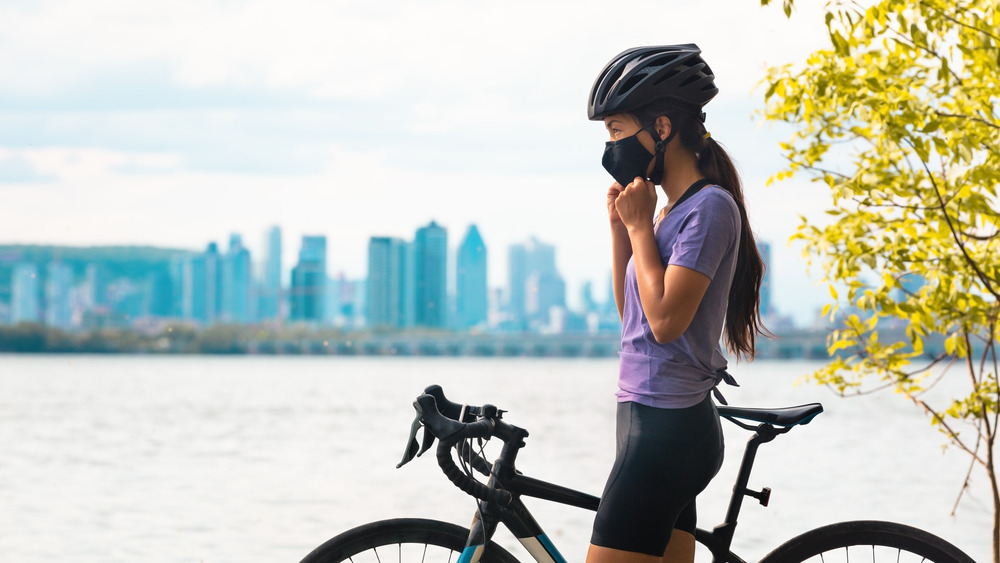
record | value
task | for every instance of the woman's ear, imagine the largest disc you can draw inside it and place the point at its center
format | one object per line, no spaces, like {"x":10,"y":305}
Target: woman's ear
{"x":663,"y":127}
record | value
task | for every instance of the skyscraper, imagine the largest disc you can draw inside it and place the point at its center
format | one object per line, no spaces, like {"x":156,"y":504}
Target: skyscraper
{"x":544,"y":290}
{"x":157,"y":292}
{"x":587,"y":302}
{"x":518,"y":271}
{"x":308,"y":289}
{"x":213,"y":283}
{"x":431,"y":269}
{"x":236,"y":282}
{"x":346,"y":302}
{"x":97,"y":286}
{"x":58,"y":297}
{"x":200,"y":281}
{"x":387,"y":279}
{"x":270,"y":286}
{"x":535,"y":284}
{"x":764,"y":249}
{"x":472,"y":301}
{"x":24,"y":294}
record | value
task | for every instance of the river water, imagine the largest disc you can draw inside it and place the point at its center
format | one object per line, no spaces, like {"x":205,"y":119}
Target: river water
{"x":259,"y":459}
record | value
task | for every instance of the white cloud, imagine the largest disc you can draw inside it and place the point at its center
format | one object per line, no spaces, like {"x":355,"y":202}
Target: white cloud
{"x":356,"y":49}
{"x":71,"y":164}
{"x":359,"y":118}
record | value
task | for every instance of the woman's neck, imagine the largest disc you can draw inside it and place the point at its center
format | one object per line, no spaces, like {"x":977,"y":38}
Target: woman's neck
{"x":679,"y":175}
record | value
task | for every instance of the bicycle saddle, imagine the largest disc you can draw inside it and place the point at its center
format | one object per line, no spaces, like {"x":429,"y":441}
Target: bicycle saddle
{"x":785,"y":416}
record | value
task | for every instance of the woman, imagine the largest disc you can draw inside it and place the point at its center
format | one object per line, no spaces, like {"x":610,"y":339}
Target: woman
{"x":679,"y":280}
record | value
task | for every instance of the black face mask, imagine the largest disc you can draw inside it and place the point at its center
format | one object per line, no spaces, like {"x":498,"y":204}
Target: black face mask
{"x":626,"y":159}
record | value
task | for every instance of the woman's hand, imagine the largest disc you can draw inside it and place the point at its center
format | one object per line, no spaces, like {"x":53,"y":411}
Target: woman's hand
{"x":613,"y":192}
{"x":636,"y":203}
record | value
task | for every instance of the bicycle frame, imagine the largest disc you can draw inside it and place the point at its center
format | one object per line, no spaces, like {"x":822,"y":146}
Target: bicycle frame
{"x":500,"y":499}
{"x":518,"y":519}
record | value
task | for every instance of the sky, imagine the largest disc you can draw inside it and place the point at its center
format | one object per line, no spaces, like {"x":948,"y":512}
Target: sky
{"x":177,"y":123}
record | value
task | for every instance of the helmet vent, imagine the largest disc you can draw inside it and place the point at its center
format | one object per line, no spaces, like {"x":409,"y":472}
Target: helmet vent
{"x":632,"y":82}
{"x":691,"y":79}
{"x":667,"y":76}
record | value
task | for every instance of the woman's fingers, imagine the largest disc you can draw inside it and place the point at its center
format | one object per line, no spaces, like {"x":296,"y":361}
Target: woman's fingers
{"x":636,"y":202}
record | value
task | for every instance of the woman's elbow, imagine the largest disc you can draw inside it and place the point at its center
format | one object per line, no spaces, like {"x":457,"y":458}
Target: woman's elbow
{"x":666,"y":332}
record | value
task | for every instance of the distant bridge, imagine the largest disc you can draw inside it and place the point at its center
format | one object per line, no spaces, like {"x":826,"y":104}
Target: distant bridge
{"x":807,"y":344}
{"x":406,"y":344}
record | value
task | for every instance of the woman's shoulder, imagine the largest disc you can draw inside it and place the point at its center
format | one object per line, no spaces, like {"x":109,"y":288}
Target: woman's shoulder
{"x":716,"y":193}
{"x":709,"y":202}
{"x":715,"y":199}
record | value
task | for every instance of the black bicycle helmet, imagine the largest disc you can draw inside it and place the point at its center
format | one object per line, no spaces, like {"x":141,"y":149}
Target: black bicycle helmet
{"x":642,"y":75}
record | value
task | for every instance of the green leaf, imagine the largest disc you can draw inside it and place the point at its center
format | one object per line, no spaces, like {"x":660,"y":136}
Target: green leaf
{"x":895,"y":121}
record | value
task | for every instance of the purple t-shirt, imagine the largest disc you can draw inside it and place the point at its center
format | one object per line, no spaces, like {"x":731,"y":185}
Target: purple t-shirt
{"x":703,"y":234}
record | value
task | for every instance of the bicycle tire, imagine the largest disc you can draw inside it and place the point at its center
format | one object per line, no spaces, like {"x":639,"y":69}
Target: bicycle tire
{"x":869,"y":541}
{"x":403,"y":540}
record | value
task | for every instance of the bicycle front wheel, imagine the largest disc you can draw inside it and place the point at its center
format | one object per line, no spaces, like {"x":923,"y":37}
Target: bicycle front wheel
{"x":867,"y":541}
{"x":403,"y":540}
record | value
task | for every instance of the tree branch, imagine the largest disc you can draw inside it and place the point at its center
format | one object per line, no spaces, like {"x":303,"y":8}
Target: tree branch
{"x":902,"y":39}
{"x":949,"y":432}
{"x":935,"y":361}
{"x":981,"y":237}
{"x":992,"y":351}
{"x":961,"y":23}
{"x":969,"y":117}
{"x":954,"y":232}
{"x":814,"y":168}
{"x":965,"y":482}
{"x":952,"y":435}
{"x":893,"y":205}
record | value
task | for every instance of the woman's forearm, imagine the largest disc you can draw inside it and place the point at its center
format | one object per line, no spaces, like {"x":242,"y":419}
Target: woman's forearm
{"x":649,"y":272}
{"x":621,"y":250}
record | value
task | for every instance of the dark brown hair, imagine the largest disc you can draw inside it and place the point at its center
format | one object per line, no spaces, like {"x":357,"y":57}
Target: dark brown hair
{"x":743,"y":321}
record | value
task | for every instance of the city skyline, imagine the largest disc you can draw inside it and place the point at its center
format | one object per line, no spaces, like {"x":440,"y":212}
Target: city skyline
{"x":275,"y":246}
{"x":418,"y":283}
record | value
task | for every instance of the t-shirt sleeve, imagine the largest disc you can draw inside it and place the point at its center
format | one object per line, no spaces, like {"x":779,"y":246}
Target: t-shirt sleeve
{"x":709,"y":231}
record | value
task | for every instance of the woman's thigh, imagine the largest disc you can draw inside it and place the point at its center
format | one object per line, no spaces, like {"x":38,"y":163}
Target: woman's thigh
{"x":665,"y":458}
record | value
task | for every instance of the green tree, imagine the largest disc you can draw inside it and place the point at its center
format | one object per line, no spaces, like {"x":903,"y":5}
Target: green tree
{"x":899,"y":118}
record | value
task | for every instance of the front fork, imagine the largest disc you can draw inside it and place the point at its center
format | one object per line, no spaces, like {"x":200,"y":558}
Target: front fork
{"x":516,"y":517}
{"x":519,"y":521}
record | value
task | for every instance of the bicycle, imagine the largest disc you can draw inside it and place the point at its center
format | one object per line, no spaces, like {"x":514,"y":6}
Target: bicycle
{"x":457,"y":426}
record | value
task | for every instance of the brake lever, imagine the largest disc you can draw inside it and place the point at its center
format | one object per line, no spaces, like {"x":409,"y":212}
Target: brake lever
{"x":434,"y":423}
{"x":412,"y":447}
{"x":428,"y":441}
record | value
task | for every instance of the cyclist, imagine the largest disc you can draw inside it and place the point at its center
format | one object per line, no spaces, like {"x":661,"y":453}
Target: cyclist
{"x":680,"y":278}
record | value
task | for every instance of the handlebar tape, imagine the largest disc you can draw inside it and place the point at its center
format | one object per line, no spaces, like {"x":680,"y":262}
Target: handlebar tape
{"x":480,"y":429}
{"x":450,"y":432}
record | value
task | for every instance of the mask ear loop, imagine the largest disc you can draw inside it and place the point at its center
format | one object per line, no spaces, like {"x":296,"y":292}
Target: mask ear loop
{"x":660,"y":153}
{"x":661,"y":146}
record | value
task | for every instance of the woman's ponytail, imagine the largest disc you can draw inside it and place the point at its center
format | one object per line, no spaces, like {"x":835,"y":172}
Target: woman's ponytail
{"x":743,"y":321}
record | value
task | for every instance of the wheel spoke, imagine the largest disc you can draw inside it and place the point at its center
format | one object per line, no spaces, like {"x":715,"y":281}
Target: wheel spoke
{"x":413,"y":540}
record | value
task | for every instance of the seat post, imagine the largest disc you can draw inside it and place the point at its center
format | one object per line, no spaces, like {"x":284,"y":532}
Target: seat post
{"x":765,"y":433}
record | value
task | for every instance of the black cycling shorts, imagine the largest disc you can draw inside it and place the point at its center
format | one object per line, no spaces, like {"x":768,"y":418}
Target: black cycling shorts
{"x":665,"y":457}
